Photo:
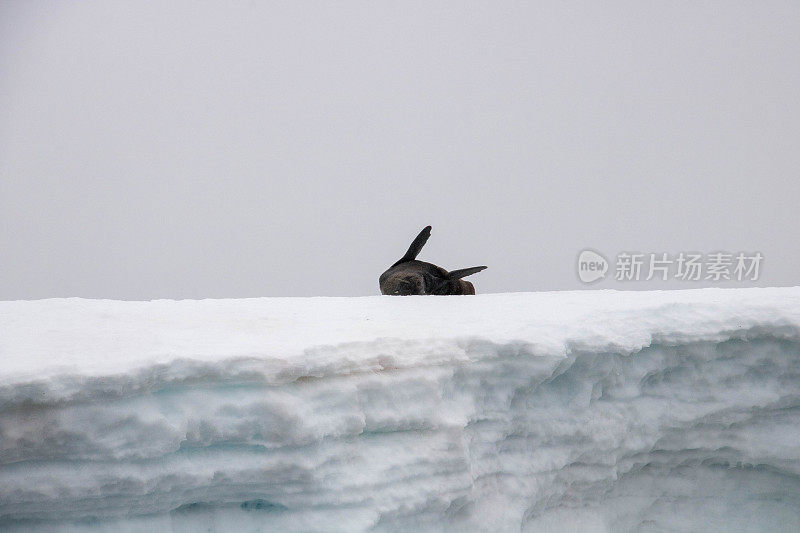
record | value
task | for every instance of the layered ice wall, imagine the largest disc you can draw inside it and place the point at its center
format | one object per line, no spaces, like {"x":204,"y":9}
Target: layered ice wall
{"x":582,"y":411}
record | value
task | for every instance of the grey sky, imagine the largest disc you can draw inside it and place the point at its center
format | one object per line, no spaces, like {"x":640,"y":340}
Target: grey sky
{"x":197,"y":149}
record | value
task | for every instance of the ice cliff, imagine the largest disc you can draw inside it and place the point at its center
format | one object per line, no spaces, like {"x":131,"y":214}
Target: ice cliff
{"x":574,"y":411}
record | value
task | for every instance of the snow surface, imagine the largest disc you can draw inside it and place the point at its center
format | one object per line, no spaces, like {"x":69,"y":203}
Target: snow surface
{"x":571,"y":411}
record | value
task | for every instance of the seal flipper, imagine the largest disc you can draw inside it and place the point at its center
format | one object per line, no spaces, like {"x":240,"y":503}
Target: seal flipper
{"x":416,"y":246}
{"x":464,"y":272}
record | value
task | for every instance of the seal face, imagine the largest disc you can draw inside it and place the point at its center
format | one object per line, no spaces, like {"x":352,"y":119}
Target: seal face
{"x":411,"y":277}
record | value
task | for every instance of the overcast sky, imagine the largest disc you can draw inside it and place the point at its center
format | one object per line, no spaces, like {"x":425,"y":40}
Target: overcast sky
{"x":202,"y":149}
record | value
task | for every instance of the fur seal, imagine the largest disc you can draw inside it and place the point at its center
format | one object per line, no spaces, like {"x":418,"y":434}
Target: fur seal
{"x":409,"y":276}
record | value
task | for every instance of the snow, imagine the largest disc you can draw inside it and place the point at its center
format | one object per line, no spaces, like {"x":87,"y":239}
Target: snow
{"x":584,"y":411}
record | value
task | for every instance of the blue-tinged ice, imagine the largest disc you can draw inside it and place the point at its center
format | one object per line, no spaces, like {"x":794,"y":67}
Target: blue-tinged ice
{"x":576,"y":411}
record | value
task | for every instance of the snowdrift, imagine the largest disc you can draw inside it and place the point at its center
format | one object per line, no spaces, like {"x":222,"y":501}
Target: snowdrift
{"x":584,"y":411}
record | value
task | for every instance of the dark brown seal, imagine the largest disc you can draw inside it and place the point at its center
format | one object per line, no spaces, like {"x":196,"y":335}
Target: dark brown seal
{"x":409,"y":276}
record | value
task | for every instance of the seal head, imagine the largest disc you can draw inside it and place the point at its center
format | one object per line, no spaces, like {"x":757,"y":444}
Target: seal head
{"x":411,"y":277}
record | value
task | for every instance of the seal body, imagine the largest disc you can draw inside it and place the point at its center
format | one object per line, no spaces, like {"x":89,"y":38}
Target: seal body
{"x":408,"y":276}
{"x":419,"y":277}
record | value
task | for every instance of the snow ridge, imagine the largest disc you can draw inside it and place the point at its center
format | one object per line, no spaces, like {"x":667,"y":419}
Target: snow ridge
{"x":597,"y":410}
